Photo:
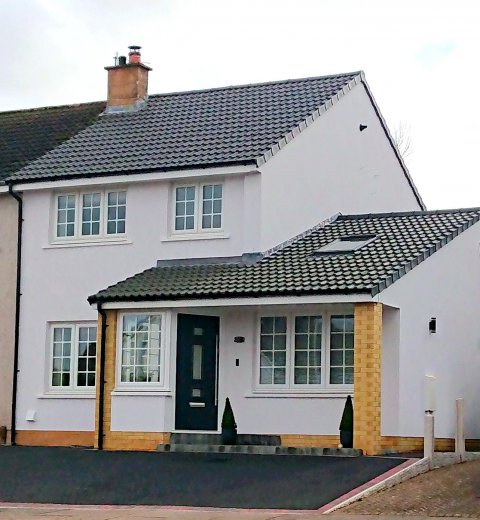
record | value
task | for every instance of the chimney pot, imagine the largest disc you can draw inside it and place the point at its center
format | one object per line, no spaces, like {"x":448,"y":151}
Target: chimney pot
{"x":134,"y":54}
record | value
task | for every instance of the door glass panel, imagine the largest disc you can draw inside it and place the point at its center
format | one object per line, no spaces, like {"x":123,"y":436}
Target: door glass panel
{"x":197,"y":331}
{"x":197,"y":362}
{"x":196,"y":392}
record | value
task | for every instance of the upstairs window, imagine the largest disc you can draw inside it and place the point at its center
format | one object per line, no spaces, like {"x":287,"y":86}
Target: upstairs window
{"x":198,"y":207}
{"x":98,"y":214}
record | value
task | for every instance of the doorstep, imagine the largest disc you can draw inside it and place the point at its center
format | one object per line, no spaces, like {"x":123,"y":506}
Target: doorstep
{"x":258,"y":450}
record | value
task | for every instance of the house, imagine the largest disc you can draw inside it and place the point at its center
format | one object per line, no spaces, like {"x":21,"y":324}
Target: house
{"x":207,"y":177}
{"x":345,"y":308}
{"x":25,"y":135}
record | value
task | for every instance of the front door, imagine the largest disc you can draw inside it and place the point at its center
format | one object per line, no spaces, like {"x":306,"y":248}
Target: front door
{"x":196,"y":388}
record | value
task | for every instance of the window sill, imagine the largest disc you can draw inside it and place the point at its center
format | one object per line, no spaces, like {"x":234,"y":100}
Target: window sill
{"x":196,"y":236}
{"x":323,"y":393}
{"x":142,"y":392}
{"x":88,"y":243}
{"x":65,"y":395}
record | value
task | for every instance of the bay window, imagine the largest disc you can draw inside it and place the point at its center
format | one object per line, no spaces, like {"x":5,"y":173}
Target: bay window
{"x":307,"y":351}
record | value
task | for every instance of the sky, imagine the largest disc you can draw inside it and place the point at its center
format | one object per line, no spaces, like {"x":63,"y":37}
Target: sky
{"x":420,"y":58}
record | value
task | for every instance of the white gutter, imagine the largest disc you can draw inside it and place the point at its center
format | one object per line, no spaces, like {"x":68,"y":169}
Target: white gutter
{"x":136,"y":178}
{"x":242,"y":302}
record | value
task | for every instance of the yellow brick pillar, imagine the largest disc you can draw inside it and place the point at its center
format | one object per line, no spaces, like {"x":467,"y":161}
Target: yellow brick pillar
{"x":109,"y":375}
{"x":367,"y":377}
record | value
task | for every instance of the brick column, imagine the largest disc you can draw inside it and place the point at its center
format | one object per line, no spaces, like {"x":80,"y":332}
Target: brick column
{"x":109,"y":376}
{"x":367,"y":377}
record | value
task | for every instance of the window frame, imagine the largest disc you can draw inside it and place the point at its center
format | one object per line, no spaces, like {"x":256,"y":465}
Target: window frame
{"x":78,"y":237}
{"x":290,"y":386}
{"x":73,"y":388}
{"x":198,"y":211}
{"x":163,"y":384}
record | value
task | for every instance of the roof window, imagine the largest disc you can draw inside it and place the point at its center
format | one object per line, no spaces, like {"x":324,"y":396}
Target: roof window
{"x":347,"y":244}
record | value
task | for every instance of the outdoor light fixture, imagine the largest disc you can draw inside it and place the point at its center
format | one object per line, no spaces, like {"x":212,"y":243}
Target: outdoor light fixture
{"x":432,"y":325}
{"x":362,"y":127}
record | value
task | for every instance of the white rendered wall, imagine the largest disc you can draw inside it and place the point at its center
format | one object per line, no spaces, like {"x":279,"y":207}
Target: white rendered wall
{"x":57,"y":281}
{"x":445,"y":286}
{"x":332,"y":167}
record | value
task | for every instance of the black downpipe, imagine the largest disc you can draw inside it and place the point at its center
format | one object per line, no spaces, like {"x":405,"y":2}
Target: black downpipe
{"x":18,"y":294}
{"x":101,"y":375}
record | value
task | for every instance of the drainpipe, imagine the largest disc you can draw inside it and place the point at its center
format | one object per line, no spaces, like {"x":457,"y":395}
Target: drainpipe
{"x":17,"y":310}
{"x":101,"y":375}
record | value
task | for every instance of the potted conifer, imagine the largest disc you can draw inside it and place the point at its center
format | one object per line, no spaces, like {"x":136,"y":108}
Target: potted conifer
{"x":346,"y":424}
{"x":229,"y":427}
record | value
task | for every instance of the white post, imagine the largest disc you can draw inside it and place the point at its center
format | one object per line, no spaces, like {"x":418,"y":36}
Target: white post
{"x":459,"y":433}
{"x":429,"y":436}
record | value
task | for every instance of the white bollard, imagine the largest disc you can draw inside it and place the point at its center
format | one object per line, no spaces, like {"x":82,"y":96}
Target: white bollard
{"x":429,"y":436}
{"x":460,"y":433}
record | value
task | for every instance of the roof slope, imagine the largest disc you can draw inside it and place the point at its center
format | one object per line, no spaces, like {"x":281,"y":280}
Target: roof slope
{"x":402,"y":241}
{"x":26,"y":135}
{"x":231,"y":125}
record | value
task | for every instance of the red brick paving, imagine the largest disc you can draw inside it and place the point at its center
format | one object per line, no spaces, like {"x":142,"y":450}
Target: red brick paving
{"x":448,"y":491}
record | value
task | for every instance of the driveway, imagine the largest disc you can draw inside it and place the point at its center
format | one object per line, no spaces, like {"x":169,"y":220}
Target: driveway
{"x":79,"y":476}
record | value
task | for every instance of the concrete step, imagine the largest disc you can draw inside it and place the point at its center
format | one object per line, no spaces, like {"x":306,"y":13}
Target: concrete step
{"x":257,"y":450}
{"x":216,"y":439}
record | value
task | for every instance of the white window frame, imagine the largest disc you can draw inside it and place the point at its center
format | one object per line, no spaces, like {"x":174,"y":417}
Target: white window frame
{"x":73,"y":388}
{"x":77,"y":237}
{"x":197,"y":223}
{"x":289,"y":386}
{"x":163,"y":384}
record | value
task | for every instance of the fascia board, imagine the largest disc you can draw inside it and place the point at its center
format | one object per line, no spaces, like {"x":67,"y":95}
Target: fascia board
{"x":242,"y":302}
{"x":137,"y":178}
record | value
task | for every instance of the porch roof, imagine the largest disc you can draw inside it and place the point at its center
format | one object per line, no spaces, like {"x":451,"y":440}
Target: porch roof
{"x":395,"y":243}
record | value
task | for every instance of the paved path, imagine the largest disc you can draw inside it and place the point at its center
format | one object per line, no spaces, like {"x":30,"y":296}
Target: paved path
{"x":449,"y":491}
{"x":76,"y":476}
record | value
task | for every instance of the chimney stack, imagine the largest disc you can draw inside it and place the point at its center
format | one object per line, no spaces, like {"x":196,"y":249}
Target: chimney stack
{"x":127,"y":83}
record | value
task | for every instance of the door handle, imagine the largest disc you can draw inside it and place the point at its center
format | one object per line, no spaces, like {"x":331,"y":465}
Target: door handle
{"x":196,"y":405}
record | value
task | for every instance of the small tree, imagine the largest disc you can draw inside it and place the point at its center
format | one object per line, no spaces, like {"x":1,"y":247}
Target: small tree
{"x":228,"y":419}
{"x":346,"y":424}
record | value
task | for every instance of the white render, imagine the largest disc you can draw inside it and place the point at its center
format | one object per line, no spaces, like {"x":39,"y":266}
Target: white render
{"x":330,"y":166}
{"x":445,"y":286}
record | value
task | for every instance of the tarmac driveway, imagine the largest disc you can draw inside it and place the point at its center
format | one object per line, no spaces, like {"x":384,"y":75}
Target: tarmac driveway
{"x":79,"y":476}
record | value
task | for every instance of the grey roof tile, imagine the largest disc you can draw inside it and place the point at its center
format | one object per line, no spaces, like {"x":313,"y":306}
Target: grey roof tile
{"x":231,"y":125}
{"x":402,"y":241}
{"x":26,"y":135}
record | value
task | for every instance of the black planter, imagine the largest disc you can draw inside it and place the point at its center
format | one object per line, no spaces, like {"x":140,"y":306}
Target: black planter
{"x":346,"y":438}
{"x":229,"y":436}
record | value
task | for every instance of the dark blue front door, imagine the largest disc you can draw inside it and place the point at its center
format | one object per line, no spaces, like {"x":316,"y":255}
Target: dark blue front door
{"x":196,"y":388}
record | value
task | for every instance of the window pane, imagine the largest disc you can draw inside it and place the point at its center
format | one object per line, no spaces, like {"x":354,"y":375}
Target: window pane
{"x":116,"y":212}
{"x":61,"y":361}
{"x":273,"y":353}
{"x":86,"y":358}
{"x":141,"y":349}
{"x":341,"y":349}
{"x":91,"y":214}
{"x":308,"y":354}
{"x":212,"y":206}
{"x":65,"y":215}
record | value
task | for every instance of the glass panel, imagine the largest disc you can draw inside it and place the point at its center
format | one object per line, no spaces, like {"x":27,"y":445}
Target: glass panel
{"x":341,"y":349}
{"x":116,"y":212}
{"x":266,"y":376}
{"x":61,"y":361}
{"x":86,"y":364}
{"x":65,"y":215}
{"x":212,"y":206}
{"x":185,"y":208}
{"x":196,"y":392}
{"x":308,"y":354}
{"x":141,"y":348}
{"x":91,"y":214}
{"x":273,"y":349}
{"x":197,"y":362}
{"x":279,"y":376}
{"x":197,"y":331}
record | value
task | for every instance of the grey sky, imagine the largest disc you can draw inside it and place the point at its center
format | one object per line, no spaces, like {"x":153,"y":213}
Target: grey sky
{"x":420,"y":59}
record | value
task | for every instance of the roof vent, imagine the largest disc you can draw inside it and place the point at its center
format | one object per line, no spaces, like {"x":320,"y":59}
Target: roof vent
{"x":347,"y":244}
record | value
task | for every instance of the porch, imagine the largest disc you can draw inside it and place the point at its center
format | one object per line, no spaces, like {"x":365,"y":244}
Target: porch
{"x":287,"y":370}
